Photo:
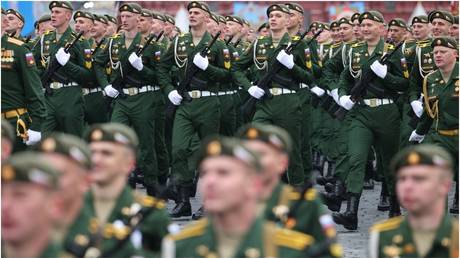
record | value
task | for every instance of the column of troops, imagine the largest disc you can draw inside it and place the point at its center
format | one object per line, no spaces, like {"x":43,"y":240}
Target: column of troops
{"x":244,"y":115}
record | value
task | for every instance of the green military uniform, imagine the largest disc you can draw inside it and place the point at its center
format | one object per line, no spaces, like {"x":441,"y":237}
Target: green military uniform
{"x":22,"y":97}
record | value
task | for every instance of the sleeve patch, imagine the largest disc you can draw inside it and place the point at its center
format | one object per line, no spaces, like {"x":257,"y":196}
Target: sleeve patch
{"x":30,"y":60}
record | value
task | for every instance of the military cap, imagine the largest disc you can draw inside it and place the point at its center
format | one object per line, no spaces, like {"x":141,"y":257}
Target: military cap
{"x":295,"y":7}
{"x":83,"y":14}
{"x":15,"y":13}
{"x":372,"y":15}
{"x":313,"y":25}
{"x":273,"y":135}
{"x":158,"y":16}
{"x":441,"y":15}
{"x":334,"y":24}
{"x":421,"y":154}
{"x":146,"y":13}
{"x":111,"y":19}
{"x":3,"y":11}
{"x":234,"y":18}
{"x":29,"y":167}
{"x":354,"y":17}
{"x":221,"y":19}
{"x":100,"y":18}
{"x":67,"y":145}
{"x":398,"y":22}
{"x":113,"y":132}
{"x":278,"y":7}
{"x":224,"y":146}
{"x":43,"y":18}
{"x":445,"y":42}
{"x":246,"y":22}
{"x":263,"y":25}
{"x":456,"y":19}
{"x":62,"y":4}
{"x":322,"y":25}
{"x":344,"y":20}
{"x":200,"y":5}
{"x":169,"y":19}
{"x":7,"y":130}
{"x":420,"y":19}
{"x":130,"y":7}
{"x":214,"y":17}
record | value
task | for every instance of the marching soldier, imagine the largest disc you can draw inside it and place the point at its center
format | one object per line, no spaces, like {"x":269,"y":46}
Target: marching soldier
{"x":169,"y":26}
{"x":84,"y":22}
{"x":356,"y":26}
{"x":335,"y":33}
{"x":424,"y":177}
{"x":7,"y":139}
{"x":15,"y":23}
{"x":396,"y":30}
{"x":43,"y":24}
{"x":263,"y":30}
{"x":112,"y":26}
{"x":454,"y":29}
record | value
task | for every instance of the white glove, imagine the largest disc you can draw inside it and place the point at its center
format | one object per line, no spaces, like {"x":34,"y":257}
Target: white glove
{"x":256,"y":92}
{"x":201,"y":62}
{"x":346,"y":102}
{"x":34,"y":137}
{"x":62,"y":57}
{"x":415,"y":137}
{"x":335,"y":95}
{"x":175,"y":97}
{"x":111,"y":91}
{"x":285,"y":59}
{"x":417,"y":106}
{"x":136,"y":61}
{"x":318,"y":91}
{"x":379,"y":69}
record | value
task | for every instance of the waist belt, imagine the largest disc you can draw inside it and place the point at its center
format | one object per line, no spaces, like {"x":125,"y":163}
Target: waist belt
{"x":86,"y":91}
{"x":134,"y":90}
{"x":196,"y":94}
{"x":453,"y":132}
{"x":377,"y":102}
{"x":223,"y":93}
{"x":14,"y":113}
{"x":303,"y":86}
{"x":58,"y":85}
{"x":280,"y":91}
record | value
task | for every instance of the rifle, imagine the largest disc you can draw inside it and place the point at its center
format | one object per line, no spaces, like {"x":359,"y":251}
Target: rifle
{"x":248,"y":108}
{"x":367,"y":76}
{"x":229,"y":40}
{"x":54,"y":66}
{"x":183,"y":86}
{"x":119,"y":81}
{"x":98,"y":46}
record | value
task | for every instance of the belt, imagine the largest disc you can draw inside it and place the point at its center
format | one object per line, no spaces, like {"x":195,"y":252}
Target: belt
{"x":377,"y":102}
{"x":58,"y":85}
{"x":453,"y":132}
{"x":280,"y":91}
{"x":223,"y":93}
{"x":134,"y":90}
{"x":303,"y":86}
{"x":196,"y":94}
{"x":14,"y":113}
{"x":94,"y":90}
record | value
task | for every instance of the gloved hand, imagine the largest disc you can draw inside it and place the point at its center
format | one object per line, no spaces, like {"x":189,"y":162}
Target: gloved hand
{"x":379,"y":69}
{"x":201,"y":62}
{"x":318,"y":91}
{"x":136,"y":61}
{"x":62,"y":57}
{"x":34,"y":137}
{"x":285,"y":59}
{"x":111,"y":91}
{"x":175,"y":97}
{"x":335,"y":95}
{"x":346,"y":102}
{"x":256,"y":92}
{"x":415,"y":137}
{"x":417,"y":106}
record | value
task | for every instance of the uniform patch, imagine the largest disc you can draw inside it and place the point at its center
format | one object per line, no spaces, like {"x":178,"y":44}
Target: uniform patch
{"x":88,"y":60}
{"x":227,"y":58}
{"x":30,"y":60}
{"x":157,"y":56}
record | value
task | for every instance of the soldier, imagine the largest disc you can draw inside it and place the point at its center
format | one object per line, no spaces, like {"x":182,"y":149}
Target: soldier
{"x":335,"y":32}
{"x":112,"y":27}
{"x":84,"y":22}
{"x":169,"y":26}
{"x":396,"y":30}
{"x":43,"y":24}
{"x":29,"y":187}
{"x":441,"y":22}
{"x":356,"y":26}
{"x":420,"y":27}
{"x":423,"y":180}
{"x":440,"y":90}
{"x":15,"y":23}
{"x":7,"y":139}
{"x":454,"y":29}
{"x":366,"y":123}
{"x":212,"y":24}
{"x":263,"y":30}
{"x":201,"y":116}
{"x":230,"y":186}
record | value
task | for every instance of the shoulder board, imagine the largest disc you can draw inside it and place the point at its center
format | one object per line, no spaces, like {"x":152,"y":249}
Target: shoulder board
{"x":115,"y":36}
{"x":389,"y":46}
{"x":183,"y":34}
{"x":410,"y":41}
{"x":337,"y":44}
{"x":387,"y":224}
{"x":47,"y":32}
{"x":194,"y":229}
{"x":420,"y":42}
{"x":261,"y":37}
{"x":292,"y":239}
{"x":358,"y":44}
{"x":15,"y":41}
{"x":149,"y":201}
{"x":310,"y":195}
{"x":431,"y":74}
{"x":295,"y":38}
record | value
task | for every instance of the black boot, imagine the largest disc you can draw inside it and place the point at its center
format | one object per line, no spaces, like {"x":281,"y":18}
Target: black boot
{"x":349,"y":219}
{"x":329,"y":187}
{"x":454,"y":208}
{"x":395,"y":210}
{"x":183,"y":206}
{"x":334,"y":200}
{"x":368,"y":182}
{"x":327,"y":174}
{"x":384,"y":203}
{"x":198,"y":214}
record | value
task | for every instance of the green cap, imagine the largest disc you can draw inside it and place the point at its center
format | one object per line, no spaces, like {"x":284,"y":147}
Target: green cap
{"x":221,"y":18}
{"x":263,"y":25}
{"x":295,"y":7}
{"x":113,"y":132}
{"x":7,"y":130}
{"x":43,"y":18}
{"x":30,"y":167}
{"x":273,"y":135}
{"x":224,"y":146}
{"x":420,"y":19}
{"x":354,"y":17}
{"x":83,"y":14}
{"x":158,"y":16}
{"x":334,"y":24}
{"x":313,"y":25}
{"x":62,"y":4}
{"x":447,"y":16}
{"x":344,"y":20}
{"x":445,"y":42}
{"x":398,"y":22}
{"x":278,"y":7}
{"x":100,"y":18}
{"x":15,"y":13}
{"x":234,"y":18}
{"x":456,"y":19}
{"x":130,"y":7}
{"x":246,"y":22}
{"x":146,"y":13}
{"x":421,"y":154}
{"x":372,"y":15}
{"x":169,"y":19}
{"x":214,"y":17}
{"x":111,"y":18}
{"x":201,"y":5}
{"x":322,"y":25}
{"x":67,"y":145}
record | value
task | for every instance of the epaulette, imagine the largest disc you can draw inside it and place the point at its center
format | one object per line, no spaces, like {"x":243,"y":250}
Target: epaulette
{"x":389,"y":46}
{"x":261,"y":37}
{"x":310,"y":195}
{"x":114,"y":36}
{"x":15,"y":41}
{"x":358,"y":44}
{"x":292,"y":239}
{"x":296,"y":38}
{"x":194,"y":229}
{"x":183,"y":34}
{"x":421,"y":42}
{"x":387,"y":224}
{"x":149,"y":201}
{"x":335,"y":45}
{"x":410,"y":41}
{"x":47,"y":32}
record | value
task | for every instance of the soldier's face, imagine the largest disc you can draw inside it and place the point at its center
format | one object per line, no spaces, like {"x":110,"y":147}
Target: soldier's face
{"x":157,"y":26}
{"x":346,"y":32}
{"x":83,"y":25}
{"x":440,"y":27}
{"x":145,"y":24}
{"x":111,"y":29}
{"x":278,"y":20}
{"x":396,"y":34}
{"x":99,"y":29}
{"x":197,"y":17}
{"x":227,"y":184}
{"x":357,"y":29}
{"x":232,"y":28}
{"x":44,"y":26}
{"x":295,"y":19}
{"x":453,"y":32}
{"x":420,"y":30}
{"x":129,"y":20}
{"x":264,"y":32}
{"x":324,"y":36}
{"x":444,"y":57}
{"x":14,"y":23}
{"x":335,"y":34}
{"x":60,"y":16}
{"x":212,"y":26}
{"x":420,"y":189}
{"x":168,"y":28}
{"x":371,"y":30}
